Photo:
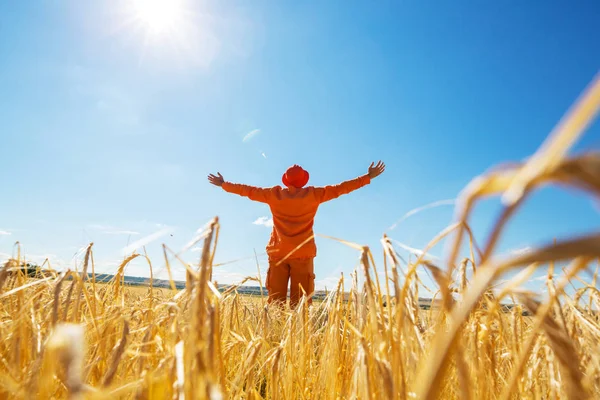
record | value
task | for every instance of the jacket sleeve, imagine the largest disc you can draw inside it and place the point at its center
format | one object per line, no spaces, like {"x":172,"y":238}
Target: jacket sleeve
{"x":331,"y":192}
{"x":262,"y":195}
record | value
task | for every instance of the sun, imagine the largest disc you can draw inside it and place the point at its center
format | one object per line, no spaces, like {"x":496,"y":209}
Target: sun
{"x":178,"y":32}
{"x":159,"y":16}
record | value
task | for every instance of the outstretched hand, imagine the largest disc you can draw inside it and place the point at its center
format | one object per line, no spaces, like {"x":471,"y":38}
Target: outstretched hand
{"x":216,"y":180}
{"x":376,"y":170}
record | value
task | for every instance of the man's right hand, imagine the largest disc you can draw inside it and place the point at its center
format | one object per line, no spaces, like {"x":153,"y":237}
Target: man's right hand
{"x":376,"y":170}
{"x":216,"y":180}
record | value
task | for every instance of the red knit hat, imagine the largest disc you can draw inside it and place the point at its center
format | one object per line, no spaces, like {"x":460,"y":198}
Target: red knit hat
{"x":295,"y":177}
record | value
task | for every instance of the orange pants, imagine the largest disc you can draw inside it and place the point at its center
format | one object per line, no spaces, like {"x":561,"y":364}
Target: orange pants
{"x":301,"y":272}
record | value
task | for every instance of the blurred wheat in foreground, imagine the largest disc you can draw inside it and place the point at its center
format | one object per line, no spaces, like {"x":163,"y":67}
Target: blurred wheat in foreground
{"x":65,"y":336}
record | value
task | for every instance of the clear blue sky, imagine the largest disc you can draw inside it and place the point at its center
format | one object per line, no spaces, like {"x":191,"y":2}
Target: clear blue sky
{"x":111,"y":116}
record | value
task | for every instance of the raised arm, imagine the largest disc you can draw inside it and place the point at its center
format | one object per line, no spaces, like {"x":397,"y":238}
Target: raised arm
{"x":253,"y":193}
{"x":331,"y":192}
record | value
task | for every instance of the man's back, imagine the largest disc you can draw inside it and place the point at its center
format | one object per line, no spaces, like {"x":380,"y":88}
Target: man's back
{"x":293,"y":213}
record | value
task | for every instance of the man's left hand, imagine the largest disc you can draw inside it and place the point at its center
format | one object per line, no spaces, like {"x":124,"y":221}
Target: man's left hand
{"x":216,"y":180}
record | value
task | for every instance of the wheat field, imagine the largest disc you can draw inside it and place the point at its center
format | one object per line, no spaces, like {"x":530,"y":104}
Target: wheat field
{"x":65,"y":336}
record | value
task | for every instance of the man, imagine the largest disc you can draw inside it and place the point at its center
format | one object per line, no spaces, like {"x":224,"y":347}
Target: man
{"x":292,"y":248}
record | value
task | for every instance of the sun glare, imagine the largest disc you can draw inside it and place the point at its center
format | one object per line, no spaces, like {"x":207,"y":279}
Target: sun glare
{"x":174,"y":31}
{"x":159,"y":16}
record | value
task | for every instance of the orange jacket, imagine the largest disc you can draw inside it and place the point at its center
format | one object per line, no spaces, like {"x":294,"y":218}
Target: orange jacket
{"x":294,"y":213}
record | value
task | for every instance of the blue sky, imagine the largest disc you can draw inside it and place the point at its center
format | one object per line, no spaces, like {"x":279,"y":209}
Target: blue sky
{"x":111,"y":121}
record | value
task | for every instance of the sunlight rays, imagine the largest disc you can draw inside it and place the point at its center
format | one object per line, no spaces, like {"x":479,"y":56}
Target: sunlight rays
{"x":159,"y":17}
